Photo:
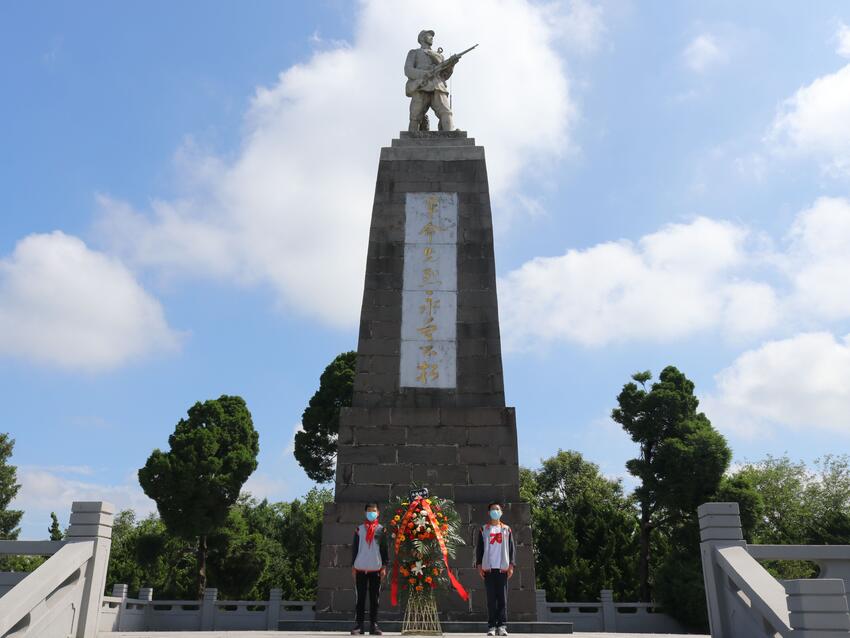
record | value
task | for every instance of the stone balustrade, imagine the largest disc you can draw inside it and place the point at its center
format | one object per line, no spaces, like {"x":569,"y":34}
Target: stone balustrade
{"x":122,"y":613}
{"x":62,"y":597}
{"x":745,"y":601}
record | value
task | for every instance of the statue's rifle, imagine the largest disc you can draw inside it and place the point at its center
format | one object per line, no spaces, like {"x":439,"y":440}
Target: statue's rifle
{"x":442,"y":66}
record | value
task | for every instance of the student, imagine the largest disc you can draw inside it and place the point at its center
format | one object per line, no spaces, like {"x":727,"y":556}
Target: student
{"x":368,"y":567}
{"x":495,"y":560}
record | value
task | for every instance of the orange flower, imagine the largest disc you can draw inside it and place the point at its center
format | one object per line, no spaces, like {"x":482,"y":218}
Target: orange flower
{"x":419,"y":588}
{"x":427,"y":579}
{"x":403,"y":571}
{"x":411,"y":580}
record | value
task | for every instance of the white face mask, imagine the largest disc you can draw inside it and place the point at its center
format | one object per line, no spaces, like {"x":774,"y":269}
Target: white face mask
{"x":495,"y":514}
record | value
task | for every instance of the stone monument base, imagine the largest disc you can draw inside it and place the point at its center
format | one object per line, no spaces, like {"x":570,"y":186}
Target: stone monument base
{"x":467,"y":455}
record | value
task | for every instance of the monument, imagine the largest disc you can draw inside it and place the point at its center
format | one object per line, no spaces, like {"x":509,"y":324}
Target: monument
{"x":429,"y":402}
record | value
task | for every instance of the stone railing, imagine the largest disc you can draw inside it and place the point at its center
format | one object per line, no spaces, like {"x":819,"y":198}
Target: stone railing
{"x":61,"y":598}
{"x":120,"y":613}
{"x":745,"y":601}
{"x":607,"y":615}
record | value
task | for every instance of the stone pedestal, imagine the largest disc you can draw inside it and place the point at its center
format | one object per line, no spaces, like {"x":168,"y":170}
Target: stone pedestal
{"x":429,"y":405}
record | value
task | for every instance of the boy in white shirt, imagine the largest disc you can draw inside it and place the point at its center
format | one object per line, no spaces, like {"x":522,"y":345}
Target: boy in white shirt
{"x":495,"y":560}
{"x":368,"y":567}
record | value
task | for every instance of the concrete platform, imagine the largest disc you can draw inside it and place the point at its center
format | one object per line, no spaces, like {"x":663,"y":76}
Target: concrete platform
{"x":449,"y":626}
{"x":333,"y":634}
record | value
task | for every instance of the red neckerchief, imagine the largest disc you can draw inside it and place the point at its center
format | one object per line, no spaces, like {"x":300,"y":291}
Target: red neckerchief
{"x":371,"y":526}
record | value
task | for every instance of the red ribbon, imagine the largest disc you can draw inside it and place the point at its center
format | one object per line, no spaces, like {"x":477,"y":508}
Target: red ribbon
{"x":439,"y":536}
{"x":496,"y":538}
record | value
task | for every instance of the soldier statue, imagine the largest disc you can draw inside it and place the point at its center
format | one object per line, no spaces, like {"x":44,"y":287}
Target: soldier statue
{"x":427,"y":72}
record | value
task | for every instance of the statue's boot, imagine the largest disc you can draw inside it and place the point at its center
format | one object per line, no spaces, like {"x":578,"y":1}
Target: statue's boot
{"x":447,"y":122}
{"x":413,"y":127}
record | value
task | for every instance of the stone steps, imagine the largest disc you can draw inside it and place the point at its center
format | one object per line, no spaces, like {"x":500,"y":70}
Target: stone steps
{"x":332,"y":634}
{"x":449,"y":626}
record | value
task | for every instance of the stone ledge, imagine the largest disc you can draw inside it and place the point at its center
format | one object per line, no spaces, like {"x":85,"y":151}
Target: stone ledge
{"x":432,"y":153}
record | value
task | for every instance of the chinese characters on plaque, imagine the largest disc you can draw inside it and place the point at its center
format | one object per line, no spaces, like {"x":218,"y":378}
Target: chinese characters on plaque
{"x":429,"y":291}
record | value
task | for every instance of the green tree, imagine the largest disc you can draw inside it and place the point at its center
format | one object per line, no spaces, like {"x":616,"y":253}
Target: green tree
{"x":681,"y":462}
{"x":238,"y":554}
{"x":316,"y":442}
{"x":195,"y":483}
{"x":781,"y":483}
{"x":145,"y":554}
{"x":801,"y":506}
{"x":585,"y":529}
{"x":260,"y":546}
{"x":9,"y":519}
{"x":54,"y":530}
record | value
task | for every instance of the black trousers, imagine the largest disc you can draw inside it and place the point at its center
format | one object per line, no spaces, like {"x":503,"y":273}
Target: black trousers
{"x":372,"y":582}
{"x":496,"y":584}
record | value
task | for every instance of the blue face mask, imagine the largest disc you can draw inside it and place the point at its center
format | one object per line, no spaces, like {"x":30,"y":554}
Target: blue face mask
{"x":495,"y":515}
{"x":371,"y":516}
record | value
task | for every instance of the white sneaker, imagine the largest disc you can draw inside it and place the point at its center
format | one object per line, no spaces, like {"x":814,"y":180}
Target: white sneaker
{"x":491,"y":631}
{"x":502,"y":631}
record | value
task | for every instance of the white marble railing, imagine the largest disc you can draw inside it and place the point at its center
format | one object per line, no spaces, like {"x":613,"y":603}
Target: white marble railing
{"x":607,"y":615}
{"x":745,"y":601}
{"x":61,"y":598}
{"x":120,"y":613}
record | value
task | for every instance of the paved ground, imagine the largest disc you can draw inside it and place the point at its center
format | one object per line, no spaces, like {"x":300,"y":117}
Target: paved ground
{"x":329,"y":634}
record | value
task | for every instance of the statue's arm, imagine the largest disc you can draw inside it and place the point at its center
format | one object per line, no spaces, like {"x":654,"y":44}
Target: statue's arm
{"x":410,"y":70}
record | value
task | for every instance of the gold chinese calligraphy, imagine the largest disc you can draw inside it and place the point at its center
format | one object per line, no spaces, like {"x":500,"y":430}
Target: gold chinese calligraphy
{"x":429,"y":293}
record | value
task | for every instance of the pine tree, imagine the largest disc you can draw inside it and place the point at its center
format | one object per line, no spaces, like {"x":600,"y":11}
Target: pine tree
{"x":54,"y":529}
{"x":9,"y":519}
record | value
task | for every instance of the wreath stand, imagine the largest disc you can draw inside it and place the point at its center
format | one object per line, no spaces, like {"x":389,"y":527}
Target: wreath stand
{"x":420,"y":616}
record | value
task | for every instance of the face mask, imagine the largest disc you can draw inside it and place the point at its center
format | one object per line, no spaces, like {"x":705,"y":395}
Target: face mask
{"x":495,"y":515}
{"x":371,"y":516}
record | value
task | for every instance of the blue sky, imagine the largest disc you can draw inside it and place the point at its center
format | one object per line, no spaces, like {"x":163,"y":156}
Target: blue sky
{"x":187,"y":190}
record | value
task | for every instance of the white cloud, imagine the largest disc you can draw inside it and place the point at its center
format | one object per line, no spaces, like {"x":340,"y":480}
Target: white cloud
{"x":292,"y":210}
{"x":45,"y":490}
{"x":670,"y":284}
{"x":260,"y":486}
{"x":842,"y":36}
{"x":581,"y":26}
{"x":703,"y":52}
{"x":818,"y":259}
{"x":685,"y":279}
{"x":799,"y":382}
{"x":290,"y":448}
{"x":815,"y":122}
{"x":64,"y":304}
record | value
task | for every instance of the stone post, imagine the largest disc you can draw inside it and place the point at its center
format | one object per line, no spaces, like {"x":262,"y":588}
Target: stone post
{"x":542,"y":609}
{"x":609,"y":612}
{"x":273,"y":609}
{"x":208,"y":609}
{"x":818,"y":607}
{"x":719,"y":526}
{"x":92,"y":521}
{"x":146,"y":594}
{"x":120,"y":591}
